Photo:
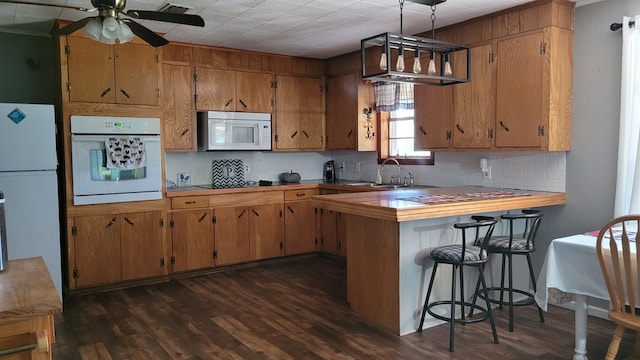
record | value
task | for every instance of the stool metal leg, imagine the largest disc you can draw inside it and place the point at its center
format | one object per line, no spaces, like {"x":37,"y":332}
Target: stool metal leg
{"x":426,"y":300}
{"x":488,"y":304}
{"x":535,"y":288}
{"x":462,"y":298}
{"x":453,"y":306}
{"x":502,"y":274}
{"x":510,"y":292}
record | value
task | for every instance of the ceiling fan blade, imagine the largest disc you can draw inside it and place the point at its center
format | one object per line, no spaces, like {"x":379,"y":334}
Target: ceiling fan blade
{"x":185,"y":19}
{"x":44,"y":4}
{"x":145,"y":34}
{"x":74,"y":26}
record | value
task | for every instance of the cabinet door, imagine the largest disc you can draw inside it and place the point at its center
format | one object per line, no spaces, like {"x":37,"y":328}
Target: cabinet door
{"x":254,"y":92}
{"x":232,"y":235}
{"x":432,"y":117}
{"x":91,"y":71}
{"x":178,"y":116}
{"x":136,"y":74}
{"x":215,"y":89}
{"x":520,"y":78}
{"x":267,"y":231}
{"x":341,"y":112}
{"x":142,"y":245}
{"x":300,"y":229}
{"x":329,"y":231}
{"x":474,"y":102}
{"x":192,"y":236}
{"x":97,"y":250}
{"x":299,"y":113}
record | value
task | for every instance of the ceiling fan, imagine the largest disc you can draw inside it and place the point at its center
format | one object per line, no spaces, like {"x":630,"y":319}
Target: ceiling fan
{"x":113,"y":22}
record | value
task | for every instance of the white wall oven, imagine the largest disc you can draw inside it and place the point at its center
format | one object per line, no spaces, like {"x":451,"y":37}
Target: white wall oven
{"x":115,"y":159}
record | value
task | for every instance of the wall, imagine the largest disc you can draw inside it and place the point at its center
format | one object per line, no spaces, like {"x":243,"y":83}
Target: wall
{"x":26,"y":68}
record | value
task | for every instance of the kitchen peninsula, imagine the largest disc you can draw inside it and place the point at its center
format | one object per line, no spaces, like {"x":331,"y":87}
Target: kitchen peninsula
{"x":389,"y":235}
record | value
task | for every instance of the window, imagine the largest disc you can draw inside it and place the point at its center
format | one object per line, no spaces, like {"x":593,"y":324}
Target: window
{"x":401,"y":129}
{"x":397,"y":139}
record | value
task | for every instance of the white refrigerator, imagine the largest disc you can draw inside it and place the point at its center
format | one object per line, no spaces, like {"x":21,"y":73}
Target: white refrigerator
{"x":29,"y":181}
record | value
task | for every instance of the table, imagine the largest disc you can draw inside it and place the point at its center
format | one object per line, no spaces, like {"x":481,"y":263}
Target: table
{"x":571,"y":266}
{"x":28,"y":302}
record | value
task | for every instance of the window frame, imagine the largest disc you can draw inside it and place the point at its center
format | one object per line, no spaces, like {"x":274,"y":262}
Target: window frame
{"x":383,"y":144}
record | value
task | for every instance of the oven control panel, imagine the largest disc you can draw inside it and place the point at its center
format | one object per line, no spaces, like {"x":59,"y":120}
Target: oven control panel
{"x":114,"y":125}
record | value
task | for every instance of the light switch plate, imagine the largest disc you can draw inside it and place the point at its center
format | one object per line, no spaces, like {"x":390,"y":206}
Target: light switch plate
{"x":184,"y":178}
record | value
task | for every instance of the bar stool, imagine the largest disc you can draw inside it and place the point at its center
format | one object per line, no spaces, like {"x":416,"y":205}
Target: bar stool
{"x":459,"y":256}
{"x":511,"y":245}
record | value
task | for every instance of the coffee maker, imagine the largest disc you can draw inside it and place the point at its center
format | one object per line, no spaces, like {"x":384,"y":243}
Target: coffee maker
{"x":329,"y":171}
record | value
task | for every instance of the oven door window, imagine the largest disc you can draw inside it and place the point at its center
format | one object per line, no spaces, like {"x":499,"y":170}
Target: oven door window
{"x":100,"y":172}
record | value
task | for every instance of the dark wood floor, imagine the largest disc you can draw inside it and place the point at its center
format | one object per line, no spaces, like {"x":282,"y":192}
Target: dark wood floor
{"x":294,"y":310}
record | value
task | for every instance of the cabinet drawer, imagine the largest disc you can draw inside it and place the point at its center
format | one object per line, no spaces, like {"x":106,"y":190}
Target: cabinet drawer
{"x":247,"y":199}
{"x":292,"y":195}
{"x":188,"y":202}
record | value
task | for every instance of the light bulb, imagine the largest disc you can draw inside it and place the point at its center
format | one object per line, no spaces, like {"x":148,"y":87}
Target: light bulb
{"x":431,"y":70}
{"x":126,"y":34}
{"x":417,"y":67}
{"x":110,"y":28}
{"x":93,"y":29}
{"x":400,"y":61}
{"x":383,"y":60}
{"x":447,"y":69}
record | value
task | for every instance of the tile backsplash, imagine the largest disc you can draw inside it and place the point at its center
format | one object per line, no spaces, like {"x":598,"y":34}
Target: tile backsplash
{"x":545,"y":171}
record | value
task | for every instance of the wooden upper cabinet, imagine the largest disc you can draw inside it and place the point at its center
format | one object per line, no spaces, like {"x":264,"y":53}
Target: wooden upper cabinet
{"x":299,"y":114}
{"x":473,"y":110}
{"x":178,"y":115}
{"x":432,"y":117}
{"x":122,"y":73}
{"x":533,"y":109}
{"x":228,"y":90}
{"x":254,"y":92}
{"x":349,"y":123}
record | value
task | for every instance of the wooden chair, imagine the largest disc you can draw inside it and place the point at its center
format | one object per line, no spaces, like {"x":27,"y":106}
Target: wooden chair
{"x":618,"y":254}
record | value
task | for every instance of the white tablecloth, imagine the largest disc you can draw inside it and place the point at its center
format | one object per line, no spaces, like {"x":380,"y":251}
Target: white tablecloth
{"x":571,"y":271}
{"x":571,"y":265}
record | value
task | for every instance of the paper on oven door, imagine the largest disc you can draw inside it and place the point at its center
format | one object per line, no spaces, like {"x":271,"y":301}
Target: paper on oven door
{"x":126,"y":153}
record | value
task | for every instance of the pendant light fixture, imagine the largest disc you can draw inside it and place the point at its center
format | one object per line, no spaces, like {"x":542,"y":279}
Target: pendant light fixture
{"x":377,"y":53}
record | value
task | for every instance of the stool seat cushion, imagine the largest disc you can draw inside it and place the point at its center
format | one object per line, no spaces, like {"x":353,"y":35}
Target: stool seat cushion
{"x":453,"y":253}
{"x":502,"y":243}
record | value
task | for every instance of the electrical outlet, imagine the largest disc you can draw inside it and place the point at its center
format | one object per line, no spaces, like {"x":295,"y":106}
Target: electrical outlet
{"x":344,"y":166}
{"x":184,"y":178}
{"x":247,"y":168}
{"x":486,"y":174}
{"x":358,"y":166}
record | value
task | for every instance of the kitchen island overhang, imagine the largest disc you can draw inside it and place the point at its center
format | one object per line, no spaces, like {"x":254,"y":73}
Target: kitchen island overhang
{"x":389,"y":235}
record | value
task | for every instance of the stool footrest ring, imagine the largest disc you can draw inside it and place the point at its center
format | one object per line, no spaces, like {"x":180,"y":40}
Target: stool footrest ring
{"x":528,"y":301}
{"x":482,"y":314}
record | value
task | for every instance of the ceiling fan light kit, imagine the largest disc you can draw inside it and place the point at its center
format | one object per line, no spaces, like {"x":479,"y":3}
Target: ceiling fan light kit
{"x":109,"y":28}
{"x":376,"y":54}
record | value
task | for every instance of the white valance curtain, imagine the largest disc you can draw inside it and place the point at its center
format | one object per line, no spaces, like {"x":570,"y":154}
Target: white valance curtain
{"x":627,"y":199}
{"x":393,"y":96}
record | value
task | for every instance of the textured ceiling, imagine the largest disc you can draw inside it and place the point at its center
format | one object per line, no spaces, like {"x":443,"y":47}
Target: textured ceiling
{"x":308,"y":28}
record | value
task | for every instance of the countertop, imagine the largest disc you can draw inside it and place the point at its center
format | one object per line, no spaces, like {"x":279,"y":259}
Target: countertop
{"x":207,"y":189}
{"x":27,"y":291}
{"x":408,"y":204}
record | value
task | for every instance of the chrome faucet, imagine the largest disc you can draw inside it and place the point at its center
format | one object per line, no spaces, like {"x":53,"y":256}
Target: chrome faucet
{"x":397,"y":168}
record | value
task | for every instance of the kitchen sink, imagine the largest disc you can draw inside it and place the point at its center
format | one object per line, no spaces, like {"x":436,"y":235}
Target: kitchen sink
{"x":386,"y":186}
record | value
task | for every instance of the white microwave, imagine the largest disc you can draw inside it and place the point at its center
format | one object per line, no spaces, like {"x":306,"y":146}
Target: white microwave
{"x":219,"y":130}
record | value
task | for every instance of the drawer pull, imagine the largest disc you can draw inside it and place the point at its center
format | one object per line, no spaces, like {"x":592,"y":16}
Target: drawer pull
{"x":189,"y":202}
{"x":41,"y":344}
{"x":301,"y":194}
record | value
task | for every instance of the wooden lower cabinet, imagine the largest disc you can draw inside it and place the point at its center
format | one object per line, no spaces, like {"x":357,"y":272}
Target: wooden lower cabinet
{"x":333,"y":237}
{"x":300,"y":228}
{"x":232,"y":235}
{"x":266,"y":226}
{"x":116,"y":247}
{"x":193,"y":242}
